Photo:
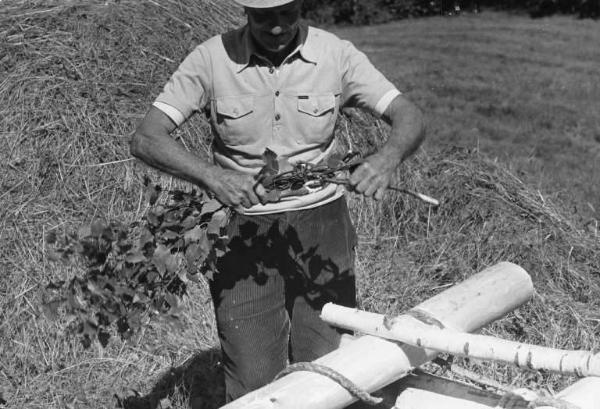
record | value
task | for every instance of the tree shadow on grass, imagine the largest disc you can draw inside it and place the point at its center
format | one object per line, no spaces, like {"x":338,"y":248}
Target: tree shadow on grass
{"x":199,"y":380}
{"x":301,"y":257}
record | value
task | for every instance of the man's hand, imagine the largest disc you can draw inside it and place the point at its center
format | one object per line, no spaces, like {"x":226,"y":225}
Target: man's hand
{"x":152,"y":144}
{"x":373,"y":176}
{"x":236,"y":189}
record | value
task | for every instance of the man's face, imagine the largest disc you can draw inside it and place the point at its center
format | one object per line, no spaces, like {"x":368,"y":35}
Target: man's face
{"x":274,"y":28}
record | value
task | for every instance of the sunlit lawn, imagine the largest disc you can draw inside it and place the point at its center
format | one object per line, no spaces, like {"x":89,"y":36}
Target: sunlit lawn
{"x":525,"y":91}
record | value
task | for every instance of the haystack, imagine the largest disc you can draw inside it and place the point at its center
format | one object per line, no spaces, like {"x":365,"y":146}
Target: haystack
{"x":75,"y":77}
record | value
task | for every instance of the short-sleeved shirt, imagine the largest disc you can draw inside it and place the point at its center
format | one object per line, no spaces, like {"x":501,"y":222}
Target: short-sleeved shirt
{"x":290,"y":109}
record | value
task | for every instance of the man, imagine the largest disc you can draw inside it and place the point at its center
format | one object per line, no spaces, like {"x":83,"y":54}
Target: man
{"x":278,"y":84}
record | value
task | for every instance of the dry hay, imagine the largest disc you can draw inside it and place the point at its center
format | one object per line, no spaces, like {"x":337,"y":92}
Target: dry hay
{"x":409,"y":252}
{"x":75,"y":76}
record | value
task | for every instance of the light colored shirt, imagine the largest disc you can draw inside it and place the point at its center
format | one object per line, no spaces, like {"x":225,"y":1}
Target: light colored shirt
{"x":290,"y":109}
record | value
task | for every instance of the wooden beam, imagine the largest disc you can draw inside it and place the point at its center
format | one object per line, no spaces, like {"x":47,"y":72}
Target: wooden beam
{"x":584,"y":394}
{"x":371,"y":362}
{"x":485,"y":347}
{"x":426,"y":391}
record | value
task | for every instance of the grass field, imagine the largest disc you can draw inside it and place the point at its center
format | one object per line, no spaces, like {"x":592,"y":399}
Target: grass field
{"x":519,"y":95}
{"x":525,"y":91}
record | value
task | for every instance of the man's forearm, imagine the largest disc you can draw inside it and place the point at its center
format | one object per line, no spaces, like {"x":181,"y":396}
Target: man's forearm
{"x":153,"y":144}
{"x":373,"y":176}
{"x":168,"y":155}
{"x":407,"y":132}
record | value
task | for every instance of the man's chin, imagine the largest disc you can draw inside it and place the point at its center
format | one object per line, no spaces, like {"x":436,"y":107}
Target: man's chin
{"x":281,"y":47}
{"x":275,"y":48}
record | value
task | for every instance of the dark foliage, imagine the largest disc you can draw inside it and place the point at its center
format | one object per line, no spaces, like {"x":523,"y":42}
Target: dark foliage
{"x":134,"y":272}
{"x":380,"y":11}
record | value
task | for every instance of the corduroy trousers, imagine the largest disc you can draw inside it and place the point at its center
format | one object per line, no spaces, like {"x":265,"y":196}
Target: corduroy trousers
{"x":270,"y":286}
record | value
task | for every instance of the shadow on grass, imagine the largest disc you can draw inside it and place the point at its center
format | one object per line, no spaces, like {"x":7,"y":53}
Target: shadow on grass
{"x":199,"y":381}
{"x":309,"y":270}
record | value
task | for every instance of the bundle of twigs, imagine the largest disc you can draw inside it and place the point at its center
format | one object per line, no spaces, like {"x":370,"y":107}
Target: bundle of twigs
{"x":304,"y":175}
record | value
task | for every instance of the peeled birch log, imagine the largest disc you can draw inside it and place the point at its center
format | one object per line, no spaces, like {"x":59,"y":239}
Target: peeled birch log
{"x":581,"y":363}
{"x":372,"y":362}
{"x":430,"y":392}
{"x":425,"y":391}
{"x":583,"y":394}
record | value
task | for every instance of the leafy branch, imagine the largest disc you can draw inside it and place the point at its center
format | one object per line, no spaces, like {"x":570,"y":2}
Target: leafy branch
{"x":298,"y":178}
{"x":135,"y":272}
{"x":138,"y":271}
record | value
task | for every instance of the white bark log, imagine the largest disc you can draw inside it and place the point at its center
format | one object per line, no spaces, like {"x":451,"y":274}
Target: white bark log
{"x":372,"y":362}
{"x":405,"y":329}
{"x":426,"y":391}
{"x":585,"y":394}
{"x":430,"y":392}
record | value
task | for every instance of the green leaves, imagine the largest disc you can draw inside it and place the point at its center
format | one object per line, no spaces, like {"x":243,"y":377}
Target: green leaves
{"x":335,"y":161}
{"x":135,"y":256}
{"x":278,"y":175}
{"x":194,"y":235}
{"x":134,"y":273}
{"x":271,"y":164}
{"x":161,"y":258}
{"x":152,"y":192}
{"x":270,"y":169}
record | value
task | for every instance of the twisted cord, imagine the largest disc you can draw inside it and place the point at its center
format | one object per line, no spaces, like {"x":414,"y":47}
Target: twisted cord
{"x":344,"y":382}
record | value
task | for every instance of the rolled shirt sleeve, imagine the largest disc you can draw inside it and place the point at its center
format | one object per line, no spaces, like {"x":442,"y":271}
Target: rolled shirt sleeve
{"x":363,"y":85}
{"x":186,"y":90}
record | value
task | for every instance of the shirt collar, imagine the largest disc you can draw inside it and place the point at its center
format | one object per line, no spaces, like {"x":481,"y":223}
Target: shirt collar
{"x":246,"y":47}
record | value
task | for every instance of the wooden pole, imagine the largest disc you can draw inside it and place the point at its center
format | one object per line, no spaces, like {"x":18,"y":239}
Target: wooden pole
{"x":426,"y":391}
{"x":584,"y":394}
{"x":534,"y":357}
{"x":371,"y":362}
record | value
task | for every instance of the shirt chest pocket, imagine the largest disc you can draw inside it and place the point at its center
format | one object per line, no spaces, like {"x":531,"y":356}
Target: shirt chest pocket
{"x":316,"y":115}
{"x":234,"y":119}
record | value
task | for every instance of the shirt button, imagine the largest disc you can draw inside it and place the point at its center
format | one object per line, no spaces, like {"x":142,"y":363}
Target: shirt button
{"x":271,"y":70}
{"x":315,"y":110}
{"x":276,"y":93}
{"x":277,"y":117}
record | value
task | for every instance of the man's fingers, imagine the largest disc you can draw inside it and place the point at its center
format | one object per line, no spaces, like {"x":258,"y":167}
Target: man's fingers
{"x":260,"y":192}
{"x":379,"y":194}
{"x":370,"y":179}
{"x":247,"y":197}
{"x":251,"y":198}
{"x":360,"y":174}
{"x":259,"y":189}
{"x":361,"y":178}
{"x":362,"y":186}
{"x":371,"y":189}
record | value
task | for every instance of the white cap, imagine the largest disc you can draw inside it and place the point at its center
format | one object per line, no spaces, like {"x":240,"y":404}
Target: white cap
{"x":262,"y":4}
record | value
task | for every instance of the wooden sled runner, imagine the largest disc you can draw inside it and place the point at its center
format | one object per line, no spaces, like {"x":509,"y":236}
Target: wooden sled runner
{"x":372,"y":362}
{"x":429,"y":392}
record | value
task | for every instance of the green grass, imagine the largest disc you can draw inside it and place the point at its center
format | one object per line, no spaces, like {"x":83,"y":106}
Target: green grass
{"x":504,"y":86}
{"x":525,"y":91}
